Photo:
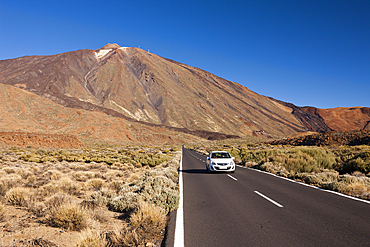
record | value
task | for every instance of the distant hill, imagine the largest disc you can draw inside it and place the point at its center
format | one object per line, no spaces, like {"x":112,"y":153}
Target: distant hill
{"x":349,"y":138}
{"x":139,"y":88}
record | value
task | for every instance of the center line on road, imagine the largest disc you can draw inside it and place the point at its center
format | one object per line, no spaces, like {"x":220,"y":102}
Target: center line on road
{"x":232,"y":177}
{"x":272,"y":201}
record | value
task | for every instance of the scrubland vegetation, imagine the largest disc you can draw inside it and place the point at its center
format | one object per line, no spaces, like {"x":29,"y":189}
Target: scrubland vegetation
{"x":344,"y":169}
{"x":107,"y":196}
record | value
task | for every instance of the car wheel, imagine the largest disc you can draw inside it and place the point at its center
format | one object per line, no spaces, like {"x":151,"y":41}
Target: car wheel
{"x":232,"y":171}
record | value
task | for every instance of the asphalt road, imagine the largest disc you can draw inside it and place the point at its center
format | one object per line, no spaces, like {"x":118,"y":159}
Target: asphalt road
{"x":258,"y":209}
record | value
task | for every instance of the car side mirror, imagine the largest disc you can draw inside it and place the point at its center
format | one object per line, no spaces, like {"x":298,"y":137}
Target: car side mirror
{"x":233,"y":158}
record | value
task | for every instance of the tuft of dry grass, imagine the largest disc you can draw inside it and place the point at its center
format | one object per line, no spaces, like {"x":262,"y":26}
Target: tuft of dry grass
{"x":69,"y":216}
{"x":147,"y":223}
{"x":69,"y":186}
{"x":148,"y":217}
{"x":57,"y":200}
{"x":95,"y":211}
{"x":18,"y":196}
{"x":90,"y":238}
{"x":95,"y":184}
{"x":3,"y":215}
{"x":38,"y":208}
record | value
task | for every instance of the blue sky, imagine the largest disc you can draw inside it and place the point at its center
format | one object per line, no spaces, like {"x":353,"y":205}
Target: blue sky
{"x":309,"y":53}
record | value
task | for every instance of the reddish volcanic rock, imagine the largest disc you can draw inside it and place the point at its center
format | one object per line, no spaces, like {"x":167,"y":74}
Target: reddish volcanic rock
{"x":342,"y":118}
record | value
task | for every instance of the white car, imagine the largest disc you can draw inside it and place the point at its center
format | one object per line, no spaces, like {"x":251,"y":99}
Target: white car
{"x":220,"y":161}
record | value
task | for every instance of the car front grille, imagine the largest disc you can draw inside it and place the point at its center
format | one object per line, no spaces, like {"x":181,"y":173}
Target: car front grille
{"x":219,"y":169}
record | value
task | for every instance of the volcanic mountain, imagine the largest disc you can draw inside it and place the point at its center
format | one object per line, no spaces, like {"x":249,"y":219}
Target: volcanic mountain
{"x":145,"y":89}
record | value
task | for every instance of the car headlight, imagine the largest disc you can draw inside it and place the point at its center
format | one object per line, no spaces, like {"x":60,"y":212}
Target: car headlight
{"x":213,"y":163}
{"x":232,"y":163}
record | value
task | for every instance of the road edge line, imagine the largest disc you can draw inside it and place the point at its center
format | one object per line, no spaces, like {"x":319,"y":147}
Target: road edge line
{"x":308,"y":185}
{"x":179,"y":227}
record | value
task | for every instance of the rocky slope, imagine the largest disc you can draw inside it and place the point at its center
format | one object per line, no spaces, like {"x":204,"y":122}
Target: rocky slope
{"x":141,"y":87}
{"x":342,"y":118}
{"x":22,"y":111}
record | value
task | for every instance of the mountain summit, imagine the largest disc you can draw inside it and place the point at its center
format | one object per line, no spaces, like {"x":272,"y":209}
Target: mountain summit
{"x":141,"y":87}
{"x":110,"y":46}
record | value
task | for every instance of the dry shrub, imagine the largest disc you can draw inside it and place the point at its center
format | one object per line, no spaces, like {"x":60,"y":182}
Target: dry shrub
{"x":358,"y":188}
{"x":320,"y":178}
{"x":69,"y":186}
{"x":30,"y":180}
{"x":3,"y":216}
{"x":148,"y":217}
{"x":10,"y":181}
{"x":127,"y":237}
{"x":275,"y":168}
{"x":147,"y":222}
{"x":33,"y":242}
{"x":49,"y":189}
{"x":99,"y":214}
{"x":18,"y":196}
{"x":358,"y":174}
{"x":69,"y":216}
{"x":95,"y":211}
{"x":110,"y":175}
{"x":25,"y":173}
{"x":38,"y":208}
{"x":55,"y":174}
{"x":123,"y":167}
{"x":9,"y":170}
{"x":57,"y":200}
{"x":336,"y":186}
{"x":116,"y":185}
{"x":102,"y":197}
{"x":83,"y":176}
{"x":126,"y":203}
{"x":134,"y":176}
{"x":95,"y":184}
{"x":89,"y":238}
{"x":313,"y":179}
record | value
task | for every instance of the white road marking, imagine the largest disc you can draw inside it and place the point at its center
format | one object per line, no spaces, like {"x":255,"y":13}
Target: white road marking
{"x":307,"y":185}
{"x":270,"y":200}
{"x":232,"y":177}
{"x":179,"y":228}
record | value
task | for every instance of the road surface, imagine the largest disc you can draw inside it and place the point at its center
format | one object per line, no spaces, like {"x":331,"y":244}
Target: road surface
{"x":251,"y":208}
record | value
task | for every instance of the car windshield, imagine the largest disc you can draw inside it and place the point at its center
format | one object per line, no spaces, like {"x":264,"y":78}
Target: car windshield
{"x":221,"y":155}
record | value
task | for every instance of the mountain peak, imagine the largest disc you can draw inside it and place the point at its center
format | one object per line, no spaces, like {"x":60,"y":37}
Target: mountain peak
{"x":110,"y":46}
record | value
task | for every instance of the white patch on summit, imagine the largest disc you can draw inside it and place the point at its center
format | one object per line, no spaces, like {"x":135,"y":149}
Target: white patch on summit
{"x":101,"y":53}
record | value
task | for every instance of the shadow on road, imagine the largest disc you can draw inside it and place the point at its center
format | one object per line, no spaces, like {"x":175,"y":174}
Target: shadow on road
{"x":195,"y":171}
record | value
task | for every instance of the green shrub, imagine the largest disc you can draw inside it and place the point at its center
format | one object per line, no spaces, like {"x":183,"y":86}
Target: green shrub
{"x":295,"y":160}
{"x":336,"y":186}
{"x":359,"y":162}
{"x":103,"y":197}
{"x":126,"y":203}
{"x":313,"y":179}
